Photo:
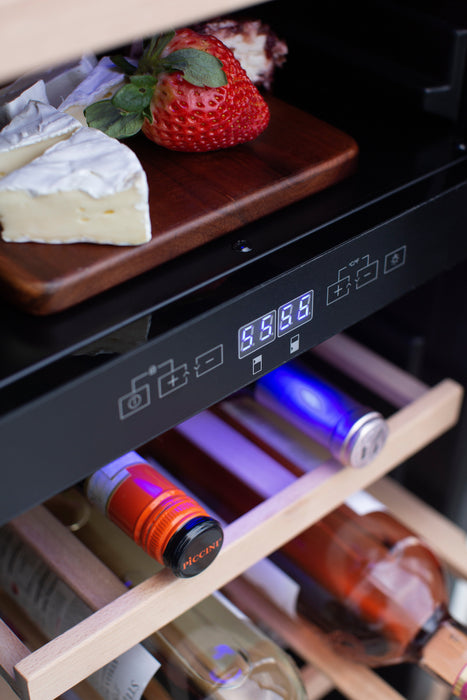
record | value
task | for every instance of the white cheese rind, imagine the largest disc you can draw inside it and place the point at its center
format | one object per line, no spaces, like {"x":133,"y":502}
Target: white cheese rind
{"x":52,"y":85}
{"x":89,"y":188}
{"x":61,"y":82}
{"x":103,"y":81}
{"x":13,"y":101}
{"x":30,"y":133}
{"x":89,"y":161}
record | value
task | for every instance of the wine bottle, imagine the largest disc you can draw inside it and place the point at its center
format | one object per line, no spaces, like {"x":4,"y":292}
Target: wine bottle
{"x":162,"y":519}
{"x":353,"y":433}
{"x":25,"y":629}
{"x":218,"y":650}
{"x":54,"y":608}
{"x":370,"y":583}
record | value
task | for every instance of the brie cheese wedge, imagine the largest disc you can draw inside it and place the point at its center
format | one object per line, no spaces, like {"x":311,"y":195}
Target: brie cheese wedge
{"x":13,"y":101}
{"x":51,"y":85}
{"x":32,"y":132}
{"x":101,"y":83}
{"x":90,"y":188}
{"x":60,"y":82}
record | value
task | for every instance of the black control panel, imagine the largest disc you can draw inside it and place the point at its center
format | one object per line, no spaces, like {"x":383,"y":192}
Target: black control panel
{"x":79,"y":425}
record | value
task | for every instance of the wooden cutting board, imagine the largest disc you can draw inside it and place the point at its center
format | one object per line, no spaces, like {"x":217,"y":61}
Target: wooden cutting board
{"x":193,"y":198}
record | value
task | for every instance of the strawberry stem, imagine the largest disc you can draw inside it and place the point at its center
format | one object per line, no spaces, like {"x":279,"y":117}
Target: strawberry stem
{"x":149,"y":61}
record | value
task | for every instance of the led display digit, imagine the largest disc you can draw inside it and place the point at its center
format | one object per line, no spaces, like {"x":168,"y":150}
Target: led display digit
{"x":295,"y":313}
{"x":256,"y":334}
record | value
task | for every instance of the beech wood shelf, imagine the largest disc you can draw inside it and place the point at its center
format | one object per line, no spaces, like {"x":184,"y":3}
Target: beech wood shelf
{"x":123,"y":618}
{"x":76,"y":28}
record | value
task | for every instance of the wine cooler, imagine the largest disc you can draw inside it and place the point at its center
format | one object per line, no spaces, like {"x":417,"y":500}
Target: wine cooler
{"x":297,"y":323}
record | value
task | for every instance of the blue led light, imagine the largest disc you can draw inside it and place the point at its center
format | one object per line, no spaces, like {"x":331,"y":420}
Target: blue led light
{"x":314,"y":405}
{"x":220,"y":652}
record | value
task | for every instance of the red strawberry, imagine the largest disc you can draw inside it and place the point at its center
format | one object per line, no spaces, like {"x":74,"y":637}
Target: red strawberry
{"x":188,"y":93}
{"x":191,"y":118}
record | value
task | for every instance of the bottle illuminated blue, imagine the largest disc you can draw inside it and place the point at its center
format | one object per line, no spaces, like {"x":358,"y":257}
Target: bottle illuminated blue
{"x":354,"y":434}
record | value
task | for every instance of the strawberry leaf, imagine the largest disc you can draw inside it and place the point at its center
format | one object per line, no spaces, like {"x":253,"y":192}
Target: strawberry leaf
{"x":131,"y":98}
{"x":199,"y":68}
{"x":144,"y":81}
{"x":104,"y":115}
{"x":148,"y":114}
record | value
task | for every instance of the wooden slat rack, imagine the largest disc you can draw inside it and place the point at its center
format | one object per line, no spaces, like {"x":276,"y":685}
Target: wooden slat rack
{"x":123,"y":618}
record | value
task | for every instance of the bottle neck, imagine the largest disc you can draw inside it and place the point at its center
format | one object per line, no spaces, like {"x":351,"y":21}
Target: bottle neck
{"x":445,"y":655}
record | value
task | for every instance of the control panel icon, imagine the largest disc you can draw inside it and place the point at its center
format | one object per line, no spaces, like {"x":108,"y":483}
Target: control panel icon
{"x":257,"y":364}
{"x":294,"y":343}
{"x":172,"y":380}
{"x":209,"y":360}
{"x":367,"y":273}
{"x":394,"y":259}
{"x":338,"y":290}
{"x":137,"y":398}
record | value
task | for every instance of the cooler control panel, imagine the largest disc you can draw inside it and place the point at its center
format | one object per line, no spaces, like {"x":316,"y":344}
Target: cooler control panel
{"x":131,"y":399}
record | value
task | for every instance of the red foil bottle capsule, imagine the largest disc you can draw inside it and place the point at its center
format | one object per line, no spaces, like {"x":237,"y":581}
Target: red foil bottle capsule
{"x":163,"y":520}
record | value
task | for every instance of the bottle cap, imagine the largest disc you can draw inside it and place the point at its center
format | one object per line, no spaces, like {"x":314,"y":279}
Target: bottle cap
{"x":194,"y":546}
{"x":179,"y":533}
{"x":364,"y":440}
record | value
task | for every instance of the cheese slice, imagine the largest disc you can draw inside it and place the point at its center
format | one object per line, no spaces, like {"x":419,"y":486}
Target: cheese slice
{"x":101,"y":83}
{"x":89,"y":188}
{"x":61,"y":81}
{"x":30,"y":133}
{"x":52,"y":85}
{"x":13,"y":101}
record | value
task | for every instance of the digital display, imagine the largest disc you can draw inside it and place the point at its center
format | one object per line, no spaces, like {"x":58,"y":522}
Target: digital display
{"x":295,"y":313}
{"x":256,"y":334}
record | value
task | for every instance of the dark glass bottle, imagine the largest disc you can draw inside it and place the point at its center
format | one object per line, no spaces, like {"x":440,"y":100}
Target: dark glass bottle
{"x":373,"y":586}
{"x":211,"y":651}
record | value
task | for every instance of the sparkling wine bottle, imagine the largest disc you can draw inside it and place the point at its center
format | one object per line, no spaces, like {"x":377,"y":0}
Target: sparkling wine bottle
{"x":218,"y":651}
{"x":371,"y":584}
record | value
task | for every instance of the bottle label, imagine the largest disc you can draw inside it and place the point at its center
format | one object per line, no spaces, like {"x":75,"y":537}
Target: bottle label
{"x":229,"y":605}
{"x":276,"y":584}
{"x":363,"y":503}
{"x":104,"y":481}
{"x":55,"y":608}
{"x":460,"y":686}
{"x":126,"y":677}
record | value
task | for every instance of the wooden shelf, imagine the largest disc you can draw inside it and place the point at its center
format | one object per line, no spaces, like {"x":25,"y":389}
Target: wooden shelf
{"x":85,"y":27}
{"x":123,"y":618}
